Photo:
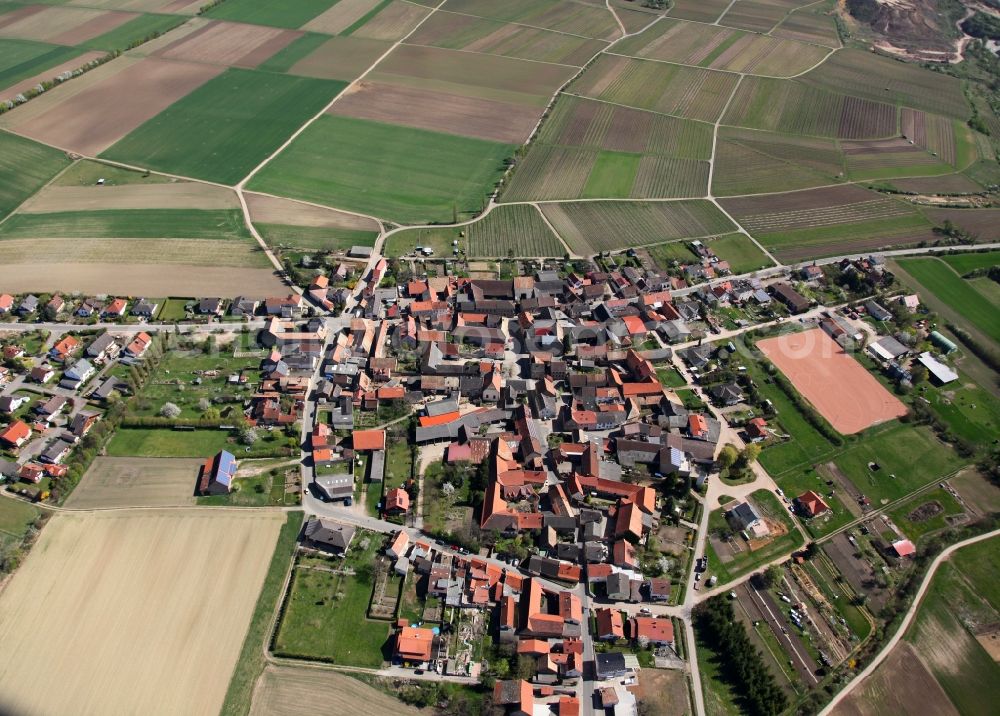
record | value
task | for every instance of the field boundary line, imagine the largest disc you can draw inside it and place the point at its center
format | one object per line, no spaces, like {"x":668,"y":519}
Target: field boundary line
{"x":490,"y":54}
{"x":621,"y":25}
{"x":828,"y":56}
{"x":554,"y":232}
{"x":715,"y":135}
{"x":716,"y":69}
{"x":306,"y":202}
{"x":524,"y":24}
{"x":637,"y":109}
{"x":904,"y":626}
{"x":354,"y":83}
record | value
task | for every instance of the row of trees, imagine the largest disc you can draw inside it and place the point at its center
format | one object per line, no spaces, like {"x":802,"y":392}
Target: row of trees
{"x":741,"y":664}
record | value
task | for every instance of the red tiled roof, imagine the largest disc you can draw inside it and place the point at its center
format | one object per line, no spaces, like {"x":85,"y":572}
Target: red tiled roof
{"x":369,"y":439}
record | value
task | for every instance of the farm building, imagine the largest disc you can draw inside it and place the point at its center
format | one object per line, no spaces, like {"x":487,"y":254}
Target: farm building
{"x":793,"y":300}
{"x":216,"y":477}
{"x":940,"y":372}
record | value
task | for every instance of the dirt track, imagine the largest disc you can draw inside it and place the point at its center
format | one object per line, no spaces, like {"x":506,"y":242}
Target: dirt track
{"x":282,"y":690}
{"x":132,"y":612}
{"x":837,"y":385}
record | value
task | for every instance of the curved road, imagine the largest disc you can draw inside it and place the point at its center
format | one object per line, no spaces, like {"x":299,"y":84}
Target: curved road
{"x":907,"y":620}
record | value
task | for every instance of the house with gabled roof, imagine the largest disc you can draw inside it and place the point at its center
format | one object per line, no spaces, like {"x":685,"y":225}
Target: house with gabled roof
{"x":217,"y":474}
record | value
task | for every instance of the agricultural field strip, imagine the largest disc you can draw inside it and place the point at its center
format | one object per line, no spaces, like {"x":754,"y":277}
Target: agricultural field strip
{"x":40,"y":190}
{"x":523,"y":24}
{"x":490,"y":54}
{"x":730,"y":72}
{"x":628,"y":106}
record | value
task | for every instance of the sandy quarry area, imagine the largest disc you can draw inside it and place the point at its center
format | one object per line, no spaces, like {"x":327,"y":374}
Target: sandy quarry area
{"x":280,"y":688}
{"x":136,"y":482}
{"x":266,"y":209}
{"x":132,"y":612}
{"x":837,"y":385}
{"x":169,"y":195}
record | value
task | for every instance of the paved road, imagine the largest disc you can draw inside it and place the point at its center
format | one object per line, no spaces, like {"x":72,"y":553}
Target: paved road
{"x":907,"y":620}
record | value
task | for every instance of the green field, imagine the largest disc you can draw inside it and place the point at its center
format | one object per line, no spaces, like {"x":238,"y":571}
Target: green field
{"x":963,"y":591}
{"x":265,"y":12}
{"x":316,"y":238}
{"x":286,"y":58}
{"x":21,"y":59}
{"x":912,"y":454}
{"x":969,"y":410}
{"x":938,"y":278}
{"x":665,"y":254}
{"x":15,"y":516}
{"x":915,"y":529}
{"x":165,"y":442}
{"x":86,"y":172}
{"x":968,"y":261}
{"x":325,"y":616}
{"x":129,"y":224}
{"x":612,"y":176}
{"x":407,"y":175}
{"x":742,"y":254}
{"x":225,"y":128}
{"x":25,"y":167}
{"x":135,"y":30}
{"x":746,"y":561}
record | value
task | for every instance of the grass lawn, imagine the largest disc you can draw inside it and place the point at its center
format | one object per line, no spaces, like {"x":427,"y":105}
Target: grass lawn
{"x":164,"y":442}
{"x":796,"y":482}
{"x":406,"y":175}
{"x":398,"y":463}
{"x":938,"y":278}
{"x":669,"y":377}
{"x":263,"y":12}
{"x":612,"y":176}
{"x":251,"y":661}
{"x":129,"y":223}
{"x":969,"y":410}
{"x":175,"y":382}
{"x":665,"y":254}
{"x":914,"y":530}
{"x":173,"y":309}
{"x":315,"y":237}
{"x":223,"y":129}
{"x":746,"y":561}
{"x":912,"y":454}
{"x":980,"y":563}
{"x":325,"y":617}
{"x":969,"y":261}
{"x":25,"y":167}
{"x":690,"y":399}
{"x":15,"y":516}
{"x":742,"y":254}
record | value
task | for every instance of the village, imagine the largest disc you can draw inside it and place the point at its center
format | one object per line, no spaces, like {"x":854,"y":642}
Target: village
{"x":529,"y":483}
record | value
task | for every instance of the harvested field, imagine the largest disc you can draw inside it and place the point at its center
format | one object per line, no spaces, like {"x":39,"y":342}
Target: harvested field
{"x":721,"y":48}
{"x":796,"y":108}
{"x":699,"y":10}
{"x":274,"y":210}
{"x":404,"y":174}
{"x":393,"y":22}
{"x":465,"y":32}
{"x":341,"y":16}
{"x":570,"y":17}
{"x":136,"y":482}
{"x":438,"y":111}
{"x":61,"y":25}
{"x":880,"y":692}
{"x":813,"y":361}
{"x":688,"y":92}
{"x":226,"y":127}
{"x":139,"y":279}
{"x":279,"y":693}
{"x":591,"y":227}
{"x":74,"y":115}
{"x":487,"y":76}
{"x":230,"y":44}
{"x":339,"y":58}
{"x":94,"y":577}
{"x":869,"y":76}
{"x":27,"y":74}
{"x":179,"y":195}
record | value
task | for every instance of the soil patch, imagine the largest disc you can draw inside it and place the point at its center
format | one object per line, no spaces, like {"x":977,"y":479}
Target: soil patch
{"x":665,"y":691}
{"x":925,"y":511}
{"x":136,"y":482}
{"x":989,"y":639}
{"x":280,"y":688}
{"x":814,"y":362}
{"x":274,"y":210}
{"x":438,"y":112}
{"x":111,"y":599}
{"x":89,"y":122}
